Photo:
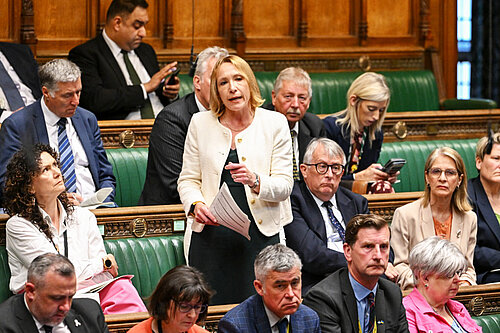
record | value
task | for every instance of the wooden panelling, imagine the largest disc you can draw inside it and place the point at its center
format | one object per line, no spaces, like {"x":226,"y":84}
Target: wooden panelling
{"x":390,"y":18}
{"x":10,"y":12}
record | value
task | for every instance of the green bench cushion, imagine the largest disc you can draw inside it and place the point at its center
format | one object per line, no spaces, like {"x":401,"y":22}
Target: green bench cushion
{"x":147,"y":258}
{"x":489,"y":323}
{"x":415,"y":153}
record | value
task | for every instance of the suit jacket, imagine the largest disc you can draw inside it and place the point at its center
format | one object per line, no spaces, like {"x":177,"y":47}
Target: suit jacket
{"x":342,"y":135}
{"x":307,"y":233}
{"x":85,"y":316}
{"x":250,"y":317}
{"x":266,"y":149}
{"x":166,"y":146}
{"x":310,"y":127}
{"x":487,"y":252}
{"x":105,"y":90}
{"x":21,"y":58}
{"x":412,"y":223}
{"x":334,"y":301}
{"x":27,"y":127}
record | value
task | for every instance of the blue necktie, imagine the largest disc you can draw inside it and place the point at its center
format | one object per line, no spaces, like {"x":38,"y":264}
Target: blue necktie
{"x":66,"y":157}
{"x":10,"y":90}
{"x":283,"y":325}
{"x":371,"y":309}
{"x":333,"y":219}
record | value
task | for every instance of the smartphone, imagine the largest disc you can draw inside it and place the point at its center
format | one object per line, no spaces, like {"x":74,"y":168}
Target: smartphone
{"x":393,"y":165}
{"x":171,"y":80}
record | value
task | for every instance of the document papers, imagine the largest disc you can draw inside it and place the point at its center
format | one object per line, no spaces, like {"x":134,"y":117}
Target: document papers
{"x":228,"y":214}
{"x":98,"y":198}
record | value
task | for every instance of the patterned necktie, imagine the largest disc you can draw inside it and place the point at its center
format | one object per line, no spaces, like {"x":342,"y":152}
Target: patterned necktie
{"x":296,"y":175}
{"x":66,"y":157}
{"x":283,"y":325}
{"x":47,"y":329}
{"x":10,"y":90}
{"x":147,"y":109}
{"x":333,"y":219}
{"x":371,"y":309}
{"x":355,"y":152}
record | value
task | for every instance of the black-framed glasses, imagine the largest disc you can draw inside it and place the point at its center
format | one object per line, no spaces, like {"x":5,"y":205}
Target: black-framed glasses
{"x":436,"y":172}
{"x":186,"y":307}
{"x":322,"y":168}
{"x":452,"y":275}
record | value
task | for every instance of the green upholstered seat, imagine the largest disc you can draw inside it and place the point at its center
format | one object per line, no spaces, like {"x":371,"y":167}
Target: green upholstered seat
{"x":4,"y":275}
{"x":129,"y":168}
{"x":489,"y":323}
{"x":415,"y":153}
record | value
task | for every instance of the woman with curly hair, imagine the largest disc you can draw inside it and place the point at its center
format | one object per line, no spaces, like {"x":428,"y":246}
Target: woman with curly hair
{"x":43,"y":220}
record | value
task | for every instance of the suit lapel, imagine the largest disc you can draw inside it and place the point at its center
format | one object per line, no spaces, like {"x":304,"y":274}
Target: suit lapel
{"x":315,"y":219}
{"x":261,"y":320}
{"x":427,"y":221}
{"x":39,"y":122}
{"x":349,"y":299}
{"x":83,"y":135}
{"x":110,"y":59}
{"x":146,"y":60}
{"x":457,"y":230}
{"x":344,"y":204}
{"x":303,"y":139}
{"x":75,"y":322}
{"x":484,"y":208}
{"x":25,"y":320}
{"x":380,"y":310}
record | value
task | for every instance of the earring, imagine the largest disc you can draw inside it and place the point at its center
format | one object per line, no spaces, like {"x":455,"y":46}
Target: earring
{"x":426,"y":285}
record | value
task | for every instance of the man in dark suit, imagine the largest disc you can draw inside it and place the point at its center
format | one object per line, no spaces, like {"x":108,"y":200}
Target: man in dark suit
{"x":291,"y":96}
{"x":120,"y":74}
{"x":355,"y":299}
{"x":166,"y":142}
{"x":21,"y":72}
{"x":277,"y":306}
{"x":44,"y":122}
{"x":312,"y":234}
{"x":47,"y":303}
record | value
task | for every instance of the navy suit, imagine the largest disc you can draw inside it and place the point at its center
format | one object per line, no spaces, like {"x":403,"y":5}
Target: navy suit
{"x":342,"y":135}
{"x":105,"y":90}
{"x":487,"y":251}
{"x":334,"y":301}
{"x":307,"y":233}
{"x":27,"y":127}
{"x":85,"y":316}
{"x":250,"y":317}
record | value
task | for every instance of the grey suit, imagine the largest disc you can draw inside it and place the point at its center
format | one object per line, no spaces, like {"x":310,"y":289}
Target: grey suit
{"x":334,"y":301}
{"x":85,"y":316}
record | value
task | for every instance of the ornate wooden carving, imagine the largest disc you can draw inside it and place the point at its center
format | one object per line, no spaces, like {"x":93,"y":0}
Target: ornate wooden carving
{"x":28,"y":35}
{"x":302,"y":29}
{"x":425,"y":25}
{"x":238,"y":37}
{"x":168,"y":27}
{"x":363,"y":24}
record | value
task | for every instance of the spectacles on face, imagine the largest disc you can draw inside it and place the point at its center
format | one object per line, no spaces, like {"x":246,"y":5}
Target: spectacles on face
{"x":436,"y":173}
{"x":322,"y":168}
{"x":186,"y":307}
{"x":452,"y":275}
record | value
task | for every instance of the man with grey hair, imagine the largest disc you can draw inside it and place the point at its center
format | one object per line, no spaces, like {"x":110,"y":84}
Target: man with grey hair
{"x":47,"y":304}
{"x":291,"y":96}
{"x":277,"y":306}
{"x":321,"y":209}
{"x":166,"y":142}
{"x":56,"y":119}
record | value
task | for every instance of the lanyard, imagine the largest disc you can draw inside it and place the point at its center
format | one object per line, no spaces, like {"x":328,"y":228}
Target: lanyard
{"x":65,"y":235}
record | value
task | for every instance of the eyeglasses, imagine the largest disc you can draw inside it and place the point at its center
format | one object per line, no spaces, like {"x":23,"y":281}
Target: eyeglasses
{"x":322,"y":168}
{"x":436,"y":172}
{"x":186,"y":307}
{"x":452,"y":275}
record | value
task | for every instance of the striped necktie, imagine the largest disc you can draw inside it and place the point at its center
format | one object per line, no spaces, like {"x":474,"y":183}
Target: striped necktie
{"x":333,"y":220}
{"x":147,"y":109}
{"x":10,"y":90}
{"x":66,"y":157}
{"x":371,"y":309}
{"x":296,"y":175}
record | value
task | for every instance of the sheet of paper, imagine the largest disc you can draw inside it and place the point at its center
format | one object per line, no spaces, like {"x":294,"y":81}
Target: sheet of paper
{"x":96,"y":287}
{"x":98,"y":199}
{"x":228,"y":214}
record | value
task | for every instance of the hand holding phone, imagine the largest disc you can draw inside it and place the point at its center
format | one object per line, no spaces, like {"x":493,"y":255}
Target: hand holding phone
{"x":171,"y":80}
{"x":393,"y":165}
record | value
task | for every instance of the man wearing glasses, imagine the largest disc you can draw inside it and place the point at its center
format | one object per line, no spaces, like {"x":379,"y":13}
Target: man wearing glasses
{"x":321,"y":210}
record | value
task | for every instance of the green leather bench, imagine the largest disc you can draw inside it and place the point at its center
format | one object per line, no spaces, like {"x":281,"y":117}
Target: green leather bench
{"x":415,"y":153}
{"x":411,"y":91}
{"x":145,"y":258}
{"x":489,"y":323}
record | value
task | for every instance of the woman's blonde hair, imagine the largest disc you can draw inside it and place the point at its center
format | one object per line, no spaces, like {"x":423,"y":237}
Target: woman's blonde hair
{"x":216,"y":105}
{"x":459,"y":200}
{"x":369,"y":86}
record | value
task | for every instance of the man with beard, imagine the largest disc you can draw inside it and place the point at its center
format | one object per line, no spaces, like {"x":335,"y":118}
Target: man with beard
{"x":47,"y":303}
{"x":291,"y":96}
{"x":355,"y":299}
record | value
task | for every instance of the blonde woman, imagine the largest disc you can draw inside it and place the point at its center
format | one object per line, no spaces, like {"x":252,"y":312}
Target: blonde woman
{"x":443,"y":211}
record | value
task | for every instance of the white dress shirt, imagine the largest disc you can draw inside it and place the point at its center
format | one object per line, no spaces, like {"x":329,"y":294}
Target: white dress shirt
{"x":334,"y":242}
{"x":60,"y":328}
{"x":84,"y":182}
{"x":141,"y":72}
{"x":274,"y":319}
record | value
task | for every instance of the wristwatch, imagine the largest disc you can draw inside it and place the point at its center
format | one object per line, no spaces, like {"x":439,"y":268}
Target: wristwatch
{"x":106,"y":263}
{"x":257,"y":181}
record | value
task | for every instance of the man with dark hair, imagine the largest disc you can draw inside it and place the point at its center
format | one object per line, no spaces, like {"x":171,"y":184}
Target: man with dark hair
{"x":276,"y":308}
{"x":47,"y":303}
{"x":120,"y":74}
{"x":355,"y":299}
{"x":166,"y":142}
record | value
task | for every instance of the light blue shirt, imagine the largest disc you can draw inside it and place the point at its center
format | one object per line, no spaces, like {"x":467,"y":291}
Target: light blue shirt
{"x":360,"y":292}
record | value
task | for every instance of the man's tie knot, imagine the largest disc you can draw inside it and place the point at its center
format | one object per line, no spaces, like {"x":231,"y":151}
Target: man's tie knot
{"x":47,"y":329}
{"x":62,"y":122}
{"x":283,"y":325}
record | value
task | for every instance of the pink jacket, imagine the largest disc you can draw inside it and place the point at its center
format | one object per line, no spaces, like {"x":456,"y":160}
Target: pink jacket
{"x":422,"y":318}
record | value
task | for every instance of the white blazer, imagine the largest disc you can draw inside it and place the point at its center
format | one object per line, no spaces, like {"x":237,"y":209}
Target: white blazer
{"x":265,"y":147}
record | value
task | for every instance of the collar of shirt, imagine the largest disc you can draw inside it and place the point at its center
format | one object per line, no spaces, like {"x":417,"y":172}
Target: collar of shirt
{"x":51,"y":118}
{"x":61,"y":327}
{"x":115,"y":49}
{"x":199,"y":105}
{"x":62,"y":217}
{"x":273,"y":319}
{"x":360,"y":292}
{"x":296,"y":129}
